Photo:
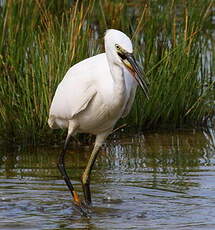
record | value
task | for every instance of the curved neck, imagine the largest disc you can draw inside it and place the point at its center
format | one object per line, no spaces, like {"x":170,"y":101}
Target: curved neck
{"x":118,"y":79}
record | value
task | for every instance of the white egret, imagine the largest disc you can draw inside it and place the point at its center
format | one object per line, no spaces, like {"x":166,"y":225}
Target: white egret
{"x":92,"y":96}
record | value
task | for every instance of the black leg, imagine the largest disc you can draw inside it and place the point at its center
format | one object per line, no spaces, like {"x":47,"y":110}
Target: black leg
{"x":62,"y":169}
{"x":79,"y":206}
{"x":85,"y":179}
{"x":86,"y":175}
{"x":87,"y":193}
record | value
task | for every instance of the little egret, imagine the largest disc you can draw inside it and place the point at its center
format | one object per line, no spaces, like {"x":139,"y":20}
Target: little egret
{"x":92,"y":96}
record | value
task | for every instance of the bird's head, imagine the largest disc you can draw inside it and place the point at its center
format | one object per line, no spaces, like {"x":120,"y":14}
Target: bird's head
{"x":119,"y":48}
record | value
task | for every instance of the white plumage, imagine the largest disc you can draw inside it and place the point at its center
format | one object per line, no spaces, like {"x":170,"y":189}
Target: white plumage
{"x":90,"y":95}
{"x":94,"y":94}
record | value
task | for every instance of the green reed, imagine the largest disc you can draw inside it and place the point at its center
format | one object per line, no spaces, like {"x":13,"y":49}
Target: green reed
{"x":177,"y":43}
{"x":40,"y":40}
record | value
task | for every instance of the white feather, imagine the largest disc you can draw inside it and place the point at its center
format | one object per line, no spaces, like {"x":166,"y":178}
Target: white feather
{"x":95,"y":92}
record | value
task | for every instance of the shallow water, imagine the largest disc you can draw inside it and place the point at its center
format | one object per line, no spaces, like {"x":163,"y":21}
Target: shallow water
{"x":163,"y":180}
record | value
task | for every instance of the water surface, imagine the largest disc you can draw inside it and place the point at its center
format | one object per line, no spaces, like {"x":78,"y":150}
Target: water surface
{"x":160,"y":180}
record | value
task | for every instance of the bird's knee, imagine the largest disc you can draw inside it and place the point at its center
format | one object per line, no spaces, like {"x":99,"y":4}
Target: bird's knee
{"x":85,"y":179}
{"x":60,"y":165}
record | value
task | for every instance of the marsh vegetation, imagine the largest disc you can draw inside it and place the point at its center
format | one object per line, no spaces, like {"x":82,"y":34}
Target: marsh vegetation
{"x":40,"y":40}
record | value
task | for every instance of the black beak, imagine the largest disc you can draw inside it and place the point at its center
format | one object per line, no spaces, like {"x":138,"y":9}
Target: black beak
{"x":138,"y":76}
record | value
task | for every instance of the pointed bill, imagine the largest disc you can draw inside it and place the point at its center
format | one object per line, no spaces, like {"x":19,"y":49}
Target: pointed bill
{"x":132,"y":65}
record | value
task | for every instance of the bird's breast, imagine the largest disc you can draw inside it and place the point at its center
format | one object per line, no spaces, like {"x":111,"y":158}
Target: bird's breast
{"x":101,"y":114}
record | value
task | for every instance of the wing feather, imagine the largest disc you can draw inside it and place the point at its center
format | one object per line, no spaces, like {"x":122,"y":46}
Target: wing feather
{"x":71,"y":97}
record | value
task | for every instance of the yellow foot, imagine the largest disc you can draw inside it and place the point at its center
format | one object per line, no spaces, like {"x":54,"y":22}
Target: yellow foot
{"x":76,"y":197}
{"x":81,"y":207}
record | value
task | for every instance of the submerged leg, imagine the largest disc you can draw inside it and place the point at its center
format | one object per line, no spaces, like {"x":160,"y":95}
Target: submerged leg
{"x":100,"y":138}
{"x":63,"y":172}
{"x":77,"y":202}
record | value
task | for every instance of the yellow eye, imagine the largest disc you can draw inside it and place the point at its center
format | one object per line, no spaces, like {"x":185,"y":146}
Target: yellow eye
{"x":118,"y":47}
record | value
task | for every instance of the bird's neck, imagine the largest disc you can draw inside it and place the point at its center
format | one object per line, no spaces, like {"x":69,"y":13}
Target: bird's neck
{"x":119,"y":83}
